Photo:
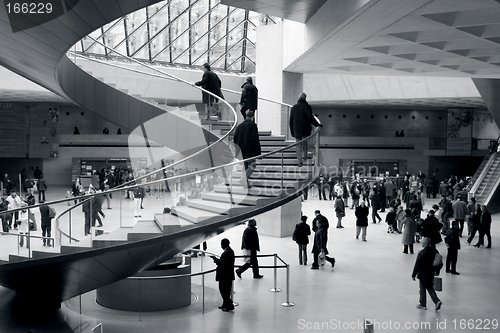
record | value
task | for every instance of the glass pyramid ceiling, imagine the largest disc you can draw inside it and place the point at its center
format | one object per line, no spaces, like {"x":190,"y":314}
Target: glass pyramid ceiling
{"x":183,"y":32}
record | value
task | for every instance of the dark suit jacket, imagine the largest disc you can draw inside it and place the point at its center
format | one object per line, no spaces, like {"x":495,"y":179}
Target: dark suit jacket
{"x":211,"y":82}
{"x":249,"y":96}
{"x":44,"y":213}
{"x":246,"y":139}
{"x":225,"y":266}
{"x":301,"y":119}
{"x":250,"y":240}
{"x":423,"y":269}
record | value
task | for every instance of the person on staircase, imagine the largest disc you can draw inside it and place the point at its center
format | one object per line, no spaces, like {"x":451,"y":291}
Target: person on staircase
{"x":301,"y":119}
{"x":211,"y":82}
{"x":249,"y":97}
{"x":246,"y":139}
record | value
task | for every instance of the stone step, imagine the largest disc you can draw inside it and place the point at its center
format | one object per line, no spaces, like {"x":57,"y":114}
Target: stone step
{"x":269,"y":183}
{"x":238,"y":189}
{"x":236,"y":198}
{"x":271,"y":175}
{"x":216,"y":207}
{"x":193,"y":214}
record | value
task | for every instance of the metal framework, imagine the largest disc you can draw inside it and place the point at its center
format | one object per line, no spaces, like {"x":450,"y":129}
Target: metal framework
{"x":183,"y":32}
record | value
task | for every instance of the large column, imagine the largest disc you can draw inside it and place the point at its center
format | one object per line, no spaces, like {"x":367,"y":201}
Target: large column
{"x":281,"y":221}
{"x":489,"y":88}
{"x":277,"y":46}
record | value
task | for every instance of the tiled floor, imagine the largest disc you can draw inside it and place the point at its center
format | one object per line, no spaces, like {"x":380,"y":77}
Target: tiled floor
{"x":370,"y":280}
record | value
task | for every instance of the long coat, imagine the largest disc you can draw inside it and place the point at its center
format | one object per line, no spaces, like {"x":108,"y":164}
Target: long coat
{"x":301,"y":119}
{"x":362,"y":216}
{"x":410,"y":227}
{"x":319,"y":241}
{"x":225,"y":266}
{"x":249,"y":96}
{"x":302,"y":232}
{"x":211,"y":82}
{"x":246,"y":139}
{"x":424,"y":269}
{"x":250,"y":240}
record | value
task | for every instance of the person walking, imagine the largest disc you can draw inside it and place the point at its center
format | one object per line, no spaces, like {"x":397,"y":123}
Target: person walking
{"x":485,"y":227}
{"x":210,"y":82}
{"x":301,"y":237}
{"x":460,"y":211}
{"x":319,"y":247}
{"x":320,"y":219}
{"x":250,"y":245}
{"x":425,"y":271}
{"x":361,"y":213}
{"x":339,"y":211}
{"x":301,"y":119}
{"x":46,"y":224}
{"x":249,"y":97}
{"x":246,"y":139}
{"x":224,"y":274}
{"x":375,"y":200}
{"x":409,"y":229}
{"x":452,"y":240}
{"x":476,"y":221}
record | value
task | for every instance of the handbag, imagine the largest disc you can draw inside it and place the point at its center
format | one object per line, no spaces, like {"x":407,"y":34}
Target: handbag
{"x":438,"y":283}
{"x":322,"y":258}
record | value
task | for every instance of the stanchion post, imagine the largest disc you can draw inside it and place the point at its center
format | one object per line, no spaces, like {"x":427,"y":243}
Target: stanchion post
{"x":287,"y":304}
{"x":275,"y":289}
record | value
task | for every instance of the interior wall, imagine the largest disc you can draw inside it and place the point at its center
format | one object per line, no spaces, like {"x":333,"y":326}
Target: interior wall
{"x":381,"y":122}
{"x":460,"y":166}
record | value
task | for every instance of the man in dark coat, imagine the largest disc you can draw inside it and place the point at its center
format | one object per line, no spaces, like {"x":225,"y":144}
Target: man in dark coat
{"x":250,"y":242}
{"x":301,"y":237}
{"x":301,"y":119}
{"x":319,"y":246}
{"x":425,"y":270}
{"x":320,"y":219}
{"x":431,"y":228}
{"x":46,"y":224}
{"x":452,"y":241}
{"x":249,"y":97}
{"x":211,"y":82}
{"x":224,"y":273}
{"x":361,"y":213}
{"x":246,"y":139}
{"x":484,"y":228}
{"x":375,"y":200}
{"x":42,"y":187}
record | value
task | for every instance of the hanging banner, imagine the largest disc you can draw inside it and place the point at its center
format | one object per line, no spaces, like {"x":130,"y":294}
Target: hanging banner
{"x":459,"y":132}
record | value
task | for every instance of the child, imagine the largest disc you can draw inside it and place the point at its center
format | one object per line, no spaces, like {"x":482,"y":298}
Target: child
{"x":390,"y":218}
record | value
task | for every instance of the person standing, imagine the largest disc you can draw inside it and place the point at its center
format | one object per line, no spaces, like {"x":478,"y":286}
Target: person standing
{"x":301,"y":119}
{"x":389,"y":191}
{"x":447,"y":208}
{"x":425,"y":271}
{"x":460,"y":211}
{"x":355,"y":194}
{"x":42,"y":187}
{"x":322,"y":185}
{"x":210,"y":82}
{"x":46,"y":224}
{"x":246,"y":139}
{"x":38,"y":173}
{"x":320,"y":219}
{"x":452,"y":240}
{"x":361,"y":213}
{"x":14,"y":202}
{"x":249,"y":97}
{"x":485,"y":227}
{"x":339,"y":211}
{"x":87,"y":213}
{"x":409,"y":226}
{"x":224,"y":274}
{"x":301,"y":237}
{"x":250,"y":243}
{"x":431,"y":228}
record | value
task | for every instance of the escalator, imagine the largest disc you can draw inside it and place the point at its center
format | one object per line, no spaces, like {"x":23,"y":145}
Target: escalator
{"x":486,"y":186}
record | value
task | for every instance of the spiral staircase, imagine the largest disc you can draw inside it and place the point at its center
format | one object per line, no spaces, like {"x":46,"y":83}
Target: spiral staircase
{"x":39,"y":54}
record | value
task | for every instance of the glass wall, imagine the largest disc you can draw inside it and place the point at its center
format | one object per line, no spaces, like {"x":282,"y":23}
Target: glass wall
{"x":183,"y":32}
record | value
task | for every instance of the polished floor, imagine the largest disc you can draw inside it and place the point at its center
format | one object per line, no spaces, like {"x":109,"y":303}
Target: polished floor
{"x":370,"y":280}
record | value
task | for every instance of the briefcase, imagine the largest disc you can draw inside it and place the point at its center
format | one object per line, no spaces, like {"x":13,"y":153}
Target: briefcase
{"x":438,"y":283}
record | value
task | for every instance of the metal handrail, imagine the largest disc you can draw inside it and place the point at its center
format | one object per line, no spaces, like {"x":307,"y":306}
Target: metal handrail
{"x":480,"y":178}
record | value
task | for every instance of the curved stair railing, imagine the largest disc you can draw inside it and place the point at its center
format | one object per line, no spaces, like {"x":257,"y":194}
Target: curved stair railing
{"x":80,"y":264}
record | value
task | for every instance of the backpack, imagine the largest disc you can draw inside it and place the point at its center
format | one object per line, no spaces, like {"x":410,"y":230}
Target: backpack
{"x":52,"y":212}
{"x":438,"y":260}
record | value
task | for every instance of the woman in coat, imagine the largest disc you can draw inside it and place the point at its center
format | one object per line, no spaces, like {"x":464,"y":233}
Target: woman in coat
{"x":409,"y":229}
{"x":320,"y":245}
{"x":361,"y":213}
